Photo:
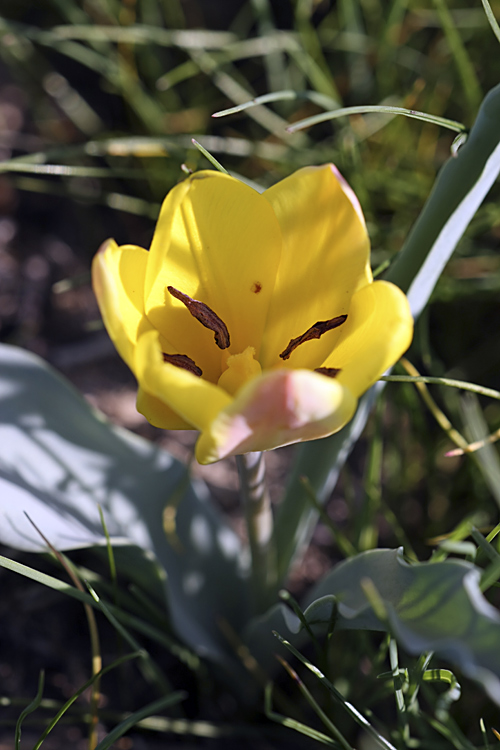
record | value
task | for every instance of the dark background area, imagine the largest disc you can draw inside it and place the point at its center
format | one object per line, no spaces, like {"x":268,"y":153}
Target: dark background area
{"x":51,"y":225}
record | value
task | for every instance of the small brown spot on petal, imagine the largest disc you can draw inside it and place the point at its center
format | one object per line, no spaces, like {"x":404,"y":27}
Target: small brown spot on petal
{"x":184,"y":362}
{"x":330,"y":372}
{"x":205,"y":315}
{"x":314,"y":332}
{"x":256,"y":287}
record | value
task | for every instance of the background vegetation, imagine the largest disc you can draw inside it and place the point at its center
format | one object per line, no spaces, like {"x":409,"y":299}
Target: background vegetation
{"x":99,"y":103}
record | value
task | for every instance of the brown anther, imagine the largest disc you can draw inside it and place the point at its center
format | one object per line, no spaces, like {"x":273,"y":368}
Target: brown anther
{"x":330,"y":372}
{"x":314,"y":332}
{"x":205,"y":315}
{"x":184,"y":362}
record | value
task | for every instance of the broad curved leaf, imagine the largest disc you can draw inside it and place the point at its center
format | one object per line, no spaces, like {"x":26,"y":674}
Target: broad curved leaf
{"x":59,"y":460}
{"x":429,"y":607}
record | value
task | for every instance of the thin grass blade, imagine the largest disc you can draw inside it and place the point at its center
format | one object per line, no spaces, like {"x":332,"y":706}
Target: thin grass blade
{"x":133,"y":719}
{"x":29,"y":709}
{"x":82,"y":689}
{"x":380,"y":109}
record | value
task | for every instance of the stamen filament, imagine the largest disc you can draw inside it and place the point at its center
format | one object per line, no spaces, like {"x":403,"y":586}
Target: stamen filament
{"x":314,"y":332}
{"x":205,"y":315}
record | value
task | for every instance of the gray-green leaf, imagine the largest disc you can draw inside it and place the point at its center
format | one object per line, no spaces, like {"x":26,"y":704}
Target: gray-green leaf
{"x":59,"y":460}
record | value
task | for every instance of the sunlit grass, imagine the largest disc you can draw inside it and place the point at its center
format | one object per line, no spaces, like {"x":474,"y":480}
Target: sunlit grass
{"x":122,"y":96}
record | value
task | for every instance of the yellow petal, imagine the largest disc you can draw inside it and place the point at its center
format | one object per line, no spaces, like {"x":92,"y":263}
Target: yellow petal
{"x":159,"y":414}
{"x":192,"y":398}
{"x":218,"y":241}
{"x":377,"y":332}
{"x":275,"y":409}
{"x":325,"y":258}
{"x":118,"y":279}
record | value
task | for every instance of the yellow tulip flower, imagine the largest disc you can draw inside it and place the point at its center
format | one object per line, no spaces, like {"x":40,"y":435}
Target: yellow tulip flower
{"x":253,"y":318}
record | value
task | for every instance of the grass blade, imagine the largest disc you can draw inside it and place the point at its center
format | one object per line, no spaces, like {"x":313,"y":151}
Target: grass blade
{"x":285,"y":721}
{"x":181,"y":652}
{"x":491,"y":19}
{"x":151,"y":708}
{"x":343,"y":743}
{"x":82,"y":689}
{"x":29,"y":709}
{"x":379,"y":108}
{"x":351,"y":710}
{"x":459,"y":52}
{"x":278,"y":96}
{"x":150,"y":669}
{"x":450,"y":382}
{"x":209,"y":156}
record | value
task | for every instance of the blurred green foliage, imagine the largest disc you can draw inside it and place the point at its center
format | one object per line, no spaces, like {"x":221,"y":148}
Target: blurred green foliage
{"x":114,"y":91}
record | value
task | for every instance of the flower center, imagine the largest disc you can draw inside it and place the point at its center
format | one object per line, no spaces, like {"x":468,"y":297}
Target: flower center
{"x":240,"y":369}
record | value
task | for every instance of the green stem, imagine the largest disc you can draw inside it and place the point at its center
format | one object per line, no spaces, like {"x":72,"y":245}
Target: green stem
{"x":260,"y":528}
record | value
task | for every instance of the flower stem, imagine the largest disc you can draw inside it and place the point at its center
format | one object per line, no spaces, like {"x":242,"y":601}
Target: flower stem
{"x":260,"y":529}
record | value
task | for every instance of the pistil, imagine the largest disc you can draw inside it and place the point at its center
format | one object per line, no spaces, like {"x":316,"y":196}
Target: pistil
{"x":205,"y":315}
{"x":241,"y":368}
